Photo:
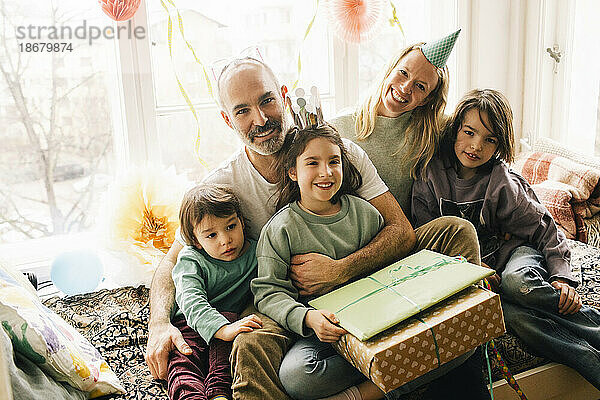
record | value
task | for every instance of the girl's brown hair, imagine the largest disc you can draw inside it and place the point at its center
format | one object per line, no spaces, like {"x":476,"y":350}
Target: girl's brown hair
{"x":294,"y":145}
{"x":499,"y":114}
{"x":206,"y":199}
{"x":422,"y":133}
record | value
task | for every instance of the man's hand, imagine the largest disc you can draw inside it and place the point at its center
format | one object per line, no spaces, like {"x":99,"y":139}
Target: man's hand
{"x":569,"y":302}
{"x":162,"y":338}
{"x":494,"y":281}
{"x":313,"y":274}
{"x":247,"y":324}
{"x":322,"y":322}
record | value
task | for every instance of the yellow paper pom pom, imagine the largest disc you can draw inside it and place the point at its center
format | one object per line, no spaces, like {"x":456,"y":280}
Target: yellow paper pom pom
{"x":142,"y":215}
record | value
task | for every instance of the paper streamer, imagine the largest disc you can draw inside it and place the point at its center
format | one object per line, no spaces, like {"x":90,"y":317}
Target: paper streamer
{"x":308,"y":28}
{"x":181,"y":89}
{"x":394,"y":20}
{"x":508,"y":376}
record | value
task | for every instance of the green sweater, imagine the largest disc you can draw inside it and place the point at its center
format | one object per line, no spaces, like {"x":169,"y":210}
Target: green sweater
{"x":381,"y":147}
{"x":204,"y":285}
{"x":292,"y":231}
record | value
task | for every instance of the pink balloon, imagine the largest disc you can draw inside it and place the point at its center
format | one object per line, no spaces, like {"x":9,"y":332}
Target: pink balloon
{"x":120,"y":10}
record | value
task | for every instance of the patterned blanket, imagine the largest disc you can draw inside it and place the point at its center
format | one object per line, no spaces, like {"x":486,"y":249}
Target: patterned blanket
{"x":569,"y":190}
{"x":116,"y":321}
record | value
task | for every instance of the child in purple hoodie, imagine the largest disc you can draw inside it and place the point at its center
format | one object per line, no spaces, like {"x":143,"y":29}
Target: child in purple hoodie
{"x":517,"y":235}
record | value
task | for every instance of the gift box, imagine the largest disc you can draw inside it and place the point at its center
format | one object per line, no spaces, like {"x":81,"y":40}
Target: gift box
{"x":399,"y":291}
{"x":427,"y":340}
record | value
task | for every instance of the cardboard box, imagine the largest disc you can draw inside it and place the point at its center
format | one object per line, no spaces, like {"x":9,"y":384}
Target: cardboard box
{"x":381,"y":300}
{"x":408,"y":350}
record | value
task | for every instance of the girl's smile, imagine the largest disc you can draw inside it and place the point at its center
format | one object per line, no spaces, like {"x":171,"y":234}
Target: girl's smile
{"x":319,"y":175}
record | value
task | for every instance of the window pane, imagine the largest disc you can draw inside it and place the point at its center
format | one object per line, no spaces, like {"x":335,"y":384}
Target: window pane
{"x":584,"y":80}
{"x":217,"y":141}
{"x":277,"y":27}
{"x":55,"y":111}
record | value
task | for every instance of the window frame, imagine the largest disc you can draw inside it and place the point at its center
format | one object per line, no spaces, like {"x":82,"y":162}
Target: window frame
{"x":138,"y":133}
{"x":547,"y":95}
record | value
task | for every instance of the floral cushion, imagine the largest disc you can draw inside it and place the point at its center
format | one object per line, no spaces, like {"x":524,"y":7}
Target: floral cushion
{"x":47,"y":340}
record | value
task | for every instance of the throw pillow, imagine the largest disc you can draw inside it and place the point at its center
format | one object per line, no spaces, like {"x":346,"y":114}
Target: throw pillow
{"x":47,"y":340}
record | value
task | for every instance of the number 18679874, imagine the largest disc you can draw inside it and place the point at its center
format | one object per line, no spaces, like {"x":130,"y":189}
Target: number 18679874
{"x":40,"y":47}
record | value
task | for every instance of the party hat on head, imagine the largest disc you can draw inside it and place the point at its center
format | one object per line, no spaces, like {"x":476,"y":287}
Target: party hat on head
{"x":438,"y":52}
{"x":305,"y":108}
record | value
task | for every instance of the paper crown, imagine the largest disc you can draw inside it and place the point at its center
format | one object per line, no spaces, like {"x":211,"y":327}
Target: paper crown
{"x":438,"y":52}
{"x":305,"y":108}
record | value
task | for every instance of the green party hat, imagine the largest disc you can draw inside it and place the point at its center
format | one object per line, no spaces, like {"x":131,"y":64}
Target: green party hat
{"x":438,"y":52}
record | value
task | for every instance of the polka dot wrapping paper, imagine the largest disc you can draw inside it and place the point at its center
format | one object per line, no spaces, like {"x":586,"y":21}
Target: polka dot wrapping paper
{"x":427,"y":340}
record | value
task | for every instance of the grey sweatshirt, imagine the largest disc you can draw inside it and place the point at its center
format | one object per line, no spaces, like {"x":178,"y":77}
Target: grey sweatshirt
{"x":293,"y":231}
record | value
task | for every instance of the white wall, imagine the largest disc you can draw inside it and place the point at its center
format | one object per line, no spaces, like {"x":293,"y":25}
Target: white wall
{"x":492,"y":50}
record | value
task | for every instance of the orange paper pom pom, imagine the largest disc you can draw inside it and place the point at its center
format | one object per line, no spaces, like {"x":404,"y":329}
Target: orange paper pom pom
{"x":119,"y":10}
{"x":355,"y":20}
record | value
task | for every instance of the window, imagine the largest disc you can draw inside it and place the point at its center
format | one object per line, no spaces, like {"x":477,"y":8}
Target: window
{"x":562,"y":89}
{"x":266,"y":24}
{"x":56,"y":114}
{"x":87,"y":113}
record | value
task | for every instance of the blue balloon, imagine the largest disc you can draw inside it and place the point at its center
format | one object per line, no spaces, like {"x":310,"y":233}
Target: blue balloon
{"x":77,"y":271}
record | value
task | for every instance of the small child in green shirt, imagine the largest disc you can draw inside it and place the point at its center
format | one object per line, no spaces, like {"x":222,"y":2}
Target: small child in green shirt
{"x":212,"y":286}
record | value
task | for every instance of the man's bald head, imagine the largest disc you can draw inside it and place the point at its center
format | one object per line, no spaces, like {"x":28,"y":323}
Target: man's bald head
{"x":252,"y":104}
{"x":234,"y":66}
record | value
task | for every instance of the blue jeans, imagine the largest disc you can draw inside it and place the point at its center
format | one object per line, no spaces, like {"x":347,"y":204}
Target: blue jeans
{"x":312,"y":369}
{"x":530,"y":306}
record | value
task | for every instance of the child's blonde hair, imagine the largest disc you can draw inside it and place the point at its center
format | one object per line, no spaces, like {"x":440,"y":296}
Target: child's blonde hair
{"x":422,"y":134}
{"x":499,"y":114}
{"x":206,"y":199}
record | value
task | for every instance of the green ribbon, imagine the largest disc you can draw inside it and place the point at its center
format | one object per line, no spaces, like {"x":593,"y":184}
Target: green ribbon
{"x":437,"y":348}
{"x":489,"y":369}
{"x":417,"y":271}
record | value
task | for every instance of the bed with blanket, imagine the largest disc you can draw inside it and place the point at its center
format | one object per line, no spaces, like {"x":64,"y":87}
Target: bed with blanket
{"x":115,"y":322}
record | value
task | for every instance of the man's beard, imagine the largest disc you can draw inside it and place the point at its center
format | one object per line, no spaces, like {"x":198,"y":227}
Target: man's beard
{"x":268,"y":147}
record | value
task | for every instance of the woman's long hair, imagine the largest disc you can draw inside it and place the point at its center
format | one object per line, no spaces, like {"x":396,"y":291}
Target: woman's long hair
{"x":423,"y":132}
{"x":294,"y":145}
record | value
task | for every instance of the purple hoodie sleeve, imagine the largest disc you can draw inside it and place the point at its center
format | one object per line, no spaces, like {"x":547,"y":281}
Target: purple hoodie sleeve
{"x":519,"y":212}
{"x":424,"y":204}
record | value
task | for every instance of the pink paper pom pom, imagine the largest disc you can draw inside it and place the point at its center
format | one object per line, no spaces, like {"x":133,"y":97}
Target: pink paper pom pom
{"x":355,"y":20}
{"x":119,"y":10}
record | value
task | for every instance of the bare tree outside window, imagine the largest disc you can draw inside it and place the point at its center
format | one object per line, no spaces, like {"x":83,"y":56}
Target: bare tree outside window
{"x":57,"y":147}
